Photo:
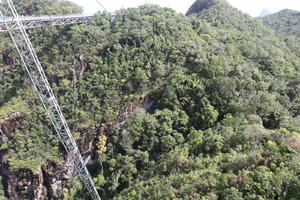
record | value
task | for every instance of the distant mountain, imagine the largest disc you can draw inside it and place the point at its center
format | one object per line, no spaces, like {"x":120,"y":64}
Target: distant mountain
{"x":286,"y":22}
{"x":265,"y":12}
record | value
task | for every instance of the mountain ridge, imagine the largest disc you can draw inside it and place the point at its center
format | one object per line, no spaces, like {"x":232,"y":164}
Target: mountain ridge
{"x":286,"y":21}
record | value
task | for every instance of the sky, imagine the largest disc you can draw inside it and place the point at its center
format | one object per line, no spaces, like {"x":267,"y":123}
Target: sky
{"x":252,"y":7}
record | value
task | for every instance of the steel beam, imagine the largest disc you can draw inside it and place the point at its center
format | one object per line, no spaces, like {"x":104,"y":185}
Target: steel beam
{"x":30,"y":22}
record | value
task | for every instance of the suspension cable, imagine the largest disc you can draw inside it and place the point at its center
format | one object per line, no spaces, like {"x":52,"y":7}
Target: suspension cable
{"x":102,"y":6}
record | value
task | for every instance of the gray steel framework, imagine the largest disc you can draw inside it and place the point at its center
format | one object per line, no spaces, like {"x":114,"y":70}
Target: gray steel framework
{"x":41,"y":21}
{"x":32,"y":65}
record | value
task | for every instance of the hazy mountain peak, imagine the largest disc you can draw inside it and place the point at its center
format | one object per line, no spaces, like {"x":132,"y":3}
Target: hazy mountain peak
{"x":265,"y":12}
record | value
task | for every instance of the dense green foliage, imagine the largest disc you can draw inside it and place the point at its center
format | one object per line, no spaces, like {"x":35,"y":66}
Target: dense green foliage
{"x":224,"y":88}
{"x":46,"y":7}
{"x":2,"y":197}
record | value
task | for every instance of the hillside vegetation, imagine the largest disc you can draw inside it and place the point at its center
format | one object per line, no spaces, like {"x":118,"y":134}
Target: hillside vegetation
{"x":223,"y":92}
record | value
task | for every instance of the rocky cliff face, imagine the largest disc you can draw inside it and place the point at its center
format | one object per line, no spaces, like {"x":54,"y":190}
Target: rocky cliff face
{"x":50,"y":180}
{"x":46,"y":183}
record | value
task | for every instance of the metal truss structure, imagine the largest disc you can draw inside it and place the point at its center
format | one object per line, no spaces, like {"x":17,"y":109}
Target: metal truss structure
{"x":17,"y":32}
{"x":42,"y":21}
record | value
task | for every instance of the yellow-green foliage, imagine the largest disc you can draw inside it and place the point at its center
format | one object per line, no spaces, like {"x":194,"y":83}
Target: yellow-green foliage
{"x":101,"y":144}
{"x":15,"y":105}
{"x":66,"y":193}
{"x":271,"y":144}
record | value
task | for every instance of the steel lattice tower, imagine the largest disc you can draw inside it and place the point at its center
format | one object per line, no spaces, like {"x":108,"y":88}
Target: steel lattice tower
{"x":14,"y":25}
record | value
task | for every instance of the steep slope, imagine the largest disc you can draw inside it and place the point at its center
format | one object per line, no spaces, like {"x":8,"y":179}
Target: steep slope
{"x":237,"y":85}
{"x":166,"y":106}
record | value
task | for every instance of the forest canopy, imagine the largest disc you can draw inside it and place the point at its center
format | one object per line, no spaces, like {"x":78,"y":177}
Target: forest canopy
{"x":204,"y":106}
{"x":46,"y":7}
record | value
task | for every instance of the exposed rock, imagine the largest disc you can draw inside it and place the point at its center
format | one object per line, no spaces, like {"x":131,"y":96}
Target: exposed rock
{"x":200,"y":5}
{"x":23,"y":183}
{"x":41,"y":191}
{"x":56,"y":187}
